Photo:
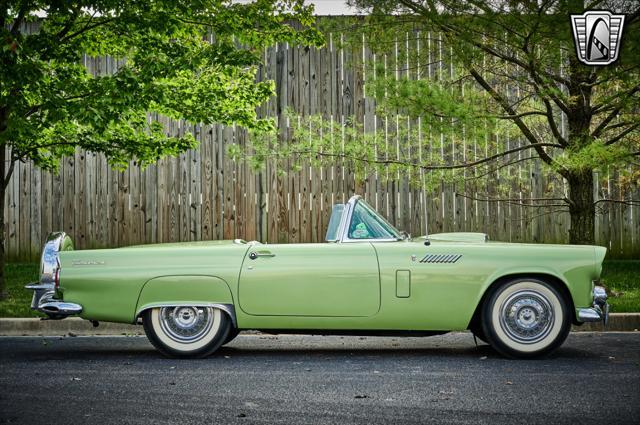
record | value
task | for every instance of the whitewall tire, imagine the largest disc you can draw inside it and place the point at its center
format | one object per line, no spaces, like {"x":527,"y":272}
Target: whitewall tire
{"x":186,"y":331}
{"x":525,"y":317}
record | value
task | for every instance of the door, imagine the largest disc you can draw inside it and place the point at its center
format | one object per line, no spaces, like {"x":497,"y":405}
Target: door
{"x":328,"y":280}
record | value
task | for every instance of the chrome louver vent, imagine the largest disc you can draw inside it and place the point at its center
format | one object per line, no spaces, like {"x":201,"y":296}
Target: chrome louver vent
{"x":441,"y":258}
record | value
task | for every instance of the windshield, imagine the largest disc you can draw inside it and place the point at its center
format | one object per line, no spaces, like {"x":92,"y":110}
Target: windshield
{"x":334,"y":223}
{"x":367,"y":224}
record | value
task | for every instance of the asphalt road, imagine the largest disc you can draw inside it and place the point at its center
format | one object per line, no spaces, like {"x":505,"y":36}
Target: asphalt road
{"x":593,"y":378}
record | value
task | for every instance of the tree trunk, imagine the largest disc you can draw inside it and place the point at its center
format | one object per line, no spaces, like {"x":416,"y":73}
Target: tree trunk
{"x":581,"y":208}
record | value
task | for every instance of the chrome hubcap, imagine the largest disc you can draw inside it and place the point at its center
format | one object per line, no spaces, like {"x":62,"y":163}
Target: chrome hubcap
{"x":186,"y":324}
{"x":526,"y":316}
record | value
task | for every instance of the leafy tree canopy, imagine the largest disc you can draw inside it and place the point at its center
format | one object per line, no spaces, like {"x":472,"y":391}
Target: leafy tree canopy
{"x":193,"y":60}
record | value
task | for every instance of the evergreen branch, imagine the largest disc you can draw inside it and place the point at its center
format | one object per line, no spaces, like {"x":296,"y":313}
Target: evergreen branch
{"x":531,"y":217}
{"x":518,"y":121}
{"x":420,"y":166}
{"x":499,"y":167}
{"x":516,"y":201}
{"x":448,"y":28}
{"x":553,"y":124}
{"x":622,"y":134}
{"x":614,"y":201}
{"x":518,"y":115}
{"x":616,"y":109}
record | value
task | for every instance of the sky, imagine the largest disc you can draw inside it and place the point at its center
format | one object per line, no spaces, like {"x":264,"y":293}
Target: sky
{"x":331,"y":7}
{"x":325,"y":7}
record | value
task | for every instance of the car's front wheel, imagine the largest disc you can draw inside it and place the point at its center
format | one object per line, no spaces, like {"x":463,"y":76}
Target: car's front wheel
{"x":186,"y":331}
{"x":525,"y":317}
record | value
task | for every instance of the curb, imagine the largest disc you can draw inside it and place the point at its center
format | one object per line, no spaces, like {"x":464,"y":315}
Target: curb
{"x":618,"y":322}
{"x":73,"y":326}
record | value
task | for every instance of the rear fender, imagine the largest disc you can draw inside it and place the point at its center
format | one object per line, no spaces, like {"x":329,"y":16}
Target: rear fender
{"x":192,"y":290}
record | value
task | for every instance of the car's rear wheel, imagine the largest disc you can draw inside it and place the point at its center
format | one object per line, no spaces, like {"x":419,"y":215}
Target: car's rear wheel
{"x":525,"y":318}
{"x":186,"y":331}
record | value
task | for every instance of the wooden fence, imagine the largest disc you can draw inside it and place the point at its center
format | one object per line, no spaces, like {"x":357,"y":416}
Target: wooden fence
{"x":203,"y":195}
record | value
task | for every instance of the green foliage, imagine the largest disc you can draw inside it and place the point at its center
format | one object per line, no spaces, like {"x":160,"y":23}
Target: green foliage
{"x":193,"y":60}
{"x":18,"y":302}
{"x":505,"y":70}
{"x":399,"y":145}
{"x":619,"y":277}
{"x":492,"y":84}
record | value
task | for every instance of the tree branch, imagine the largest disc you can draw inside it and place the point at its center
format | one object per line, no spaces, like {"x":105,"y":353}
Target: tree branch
{"x":516,"y":201}
{"x":553,"y":124}
{"x":423,"y":167}
{"x":521,"y":125}
{"x":86,"y":28}
{"x":7,"y":178}
{"x":616,"y":110}
{"x":498,"y":168}
{"x":511,"y":117}
{"x":67,"y":27}
{"x":622,"y":134}
{"x":613,"y":201}
{"x":24,"y":8}
{"x":474,"y":41}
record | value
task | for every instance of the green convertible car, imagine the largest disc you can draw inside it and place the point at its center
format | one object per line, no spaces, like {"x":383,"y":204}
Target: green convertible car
{"x":367,"y":279}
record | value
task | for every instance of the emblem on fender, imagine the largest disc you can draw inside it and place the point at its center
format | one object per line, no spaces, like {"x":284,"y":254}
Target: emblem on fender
{"x":87,"y":263}
{"x":597,"y":35}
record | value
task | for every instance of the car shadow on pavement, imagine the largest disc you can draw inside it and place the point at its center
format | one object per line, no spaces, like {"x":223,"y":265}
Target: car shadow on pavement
{"x":136,"y":348}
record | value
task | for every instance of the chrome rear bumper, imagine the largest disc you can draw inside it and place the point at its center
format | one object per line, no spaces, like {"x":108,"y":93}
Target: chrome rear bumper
{"x":43,"y":300}
{"x":599,"y":311}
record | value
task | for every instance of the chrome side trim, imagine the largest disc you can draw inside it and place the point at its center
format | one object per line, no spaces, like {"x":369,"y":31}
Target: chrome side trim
{"x":227,"y":308}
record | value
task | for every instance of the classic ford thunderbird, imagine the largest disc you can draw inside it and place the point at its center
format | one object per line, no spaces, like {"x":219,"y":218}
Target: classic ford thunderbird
{"x":367,"y":279}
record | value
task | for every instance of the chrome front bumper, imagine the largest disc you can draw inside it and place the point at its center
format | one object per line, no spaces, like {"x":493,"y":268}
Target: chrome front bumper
{"x":43,"y":300}
{"x":599,"y":311}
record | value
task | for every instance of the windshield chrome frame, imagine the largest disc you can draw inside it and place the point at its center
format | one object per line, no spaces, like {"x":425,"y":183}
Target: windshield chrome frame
{"x":343,"y":228}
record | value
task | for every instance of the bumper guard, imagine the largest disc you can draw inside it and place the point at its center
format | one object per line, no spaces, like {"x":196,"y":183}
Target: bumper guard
{"x":43,"y":300}
{"x":599,"y":311}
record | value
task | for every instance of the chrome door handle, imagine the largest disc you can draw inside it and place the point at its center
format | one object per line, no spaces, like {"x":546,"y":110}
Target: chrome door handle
{"x":253,"y":255}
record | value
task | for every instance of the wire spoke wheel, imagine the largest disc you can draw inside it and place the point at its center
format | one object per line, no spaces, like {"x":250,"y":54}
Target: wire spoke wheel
{"x":186,"y":331}
{"x":525,"y":317}
{"x":186,"y":324}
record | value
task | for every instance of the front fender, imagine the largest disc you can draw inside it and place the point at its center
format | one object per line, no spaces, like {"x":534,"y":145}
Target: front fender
{"x":186,"y":290}
{"x":577,"y":279}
